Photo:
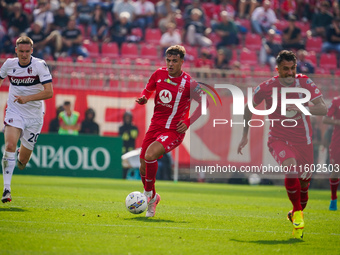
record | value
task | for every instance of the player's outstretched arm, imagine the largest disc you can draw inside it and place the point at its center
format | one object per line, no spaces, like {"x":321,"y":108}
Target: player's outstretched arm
{"x":141,"y":100}
{"x":247,"y":116}
{"x":45,"y":94}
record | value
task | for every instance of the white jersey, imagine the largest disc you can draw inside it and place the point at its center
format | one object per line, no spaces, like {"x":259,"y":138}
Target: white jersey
{"x":26,"y":80}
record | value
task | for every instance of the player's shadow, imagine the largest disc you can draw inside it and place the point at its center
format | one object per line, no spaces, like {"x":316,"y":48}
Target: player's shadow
{"x":146,"y":219}
{"x":12,"y":209}
{"x":270,"y":242}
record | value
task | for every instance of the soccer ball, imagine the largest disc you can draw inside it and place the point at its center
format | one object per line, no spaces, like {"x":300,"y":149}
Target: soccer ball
{"x":254,"y":179}
{"x":136,"y":202}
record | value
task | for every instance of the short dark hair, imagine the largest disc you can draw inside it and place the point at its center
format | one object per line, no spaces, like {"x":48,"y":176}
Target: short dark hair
{"x":176,"y":50}
{"x":285,"y":55}
{"x":24,"y":40}
{"x":67,"y":103}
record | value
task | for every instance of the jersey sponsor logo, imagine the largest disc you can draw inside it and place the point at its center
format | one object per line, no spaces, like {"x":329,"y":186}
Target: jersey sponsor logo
{"x":14,"y":70}
{"x":170,"y":82}
{"x":309,"y":81}
{"x":282,"y":154}
{"x":159,"y":80}
{"x":181,"y":89}
{"x":165,"y":96}
{"x":24,"y":81}
{"x":256,"y":89}
{"x":317,"y":91}
{"x":29,"y":69}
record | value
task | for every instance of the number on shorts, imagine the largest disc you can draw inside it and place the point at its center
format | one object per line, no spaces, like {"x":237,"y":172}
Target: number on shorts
{"x":163,"y":138}
{"x":306,"y":175}
{"x":33,"y":138}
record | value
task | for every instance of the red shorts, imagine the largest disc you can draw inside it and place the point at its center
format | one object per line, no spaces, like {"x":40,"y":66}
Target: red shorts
{"x":302,"y":153}
{"x":169,"y":138}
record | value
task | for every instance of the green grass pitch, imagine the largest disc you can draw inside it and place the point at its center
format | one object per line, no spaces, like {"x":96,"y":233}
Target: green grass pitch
{"x":59,"y":215}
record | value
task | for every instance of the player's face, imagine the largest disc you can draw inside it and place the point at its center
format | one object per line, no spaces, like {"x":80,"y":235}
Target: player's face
{"x":24,"y":52}
{"x":287,"y":72}
{"x":174,"y":64}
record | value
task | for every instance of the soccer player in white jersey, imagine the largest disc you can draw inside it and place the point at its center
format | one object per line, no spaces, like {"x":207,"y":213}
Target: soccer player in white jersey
{"x":30,"y":83}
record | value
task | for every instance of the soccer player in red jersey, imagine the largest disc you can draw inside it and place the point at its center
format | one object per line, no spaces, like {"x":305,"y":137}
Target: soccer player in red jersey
{"x":291,"y":147}
{"x":333,"y":118}
{"x":174,"y":90}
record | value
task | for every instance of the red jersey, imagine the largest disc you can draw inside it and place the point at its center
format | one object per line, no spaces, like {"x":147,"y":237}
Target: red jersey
{"x":302,"y":132}
{"x":172,"y":99}
{"x":334,"y":111}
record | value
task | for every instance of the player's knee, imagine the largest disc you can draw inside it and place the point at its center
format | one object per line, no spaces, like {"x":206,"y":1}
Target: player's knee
{"x":10,"y":146}
{"x":150,"y":156}
{"x":304,"y":184}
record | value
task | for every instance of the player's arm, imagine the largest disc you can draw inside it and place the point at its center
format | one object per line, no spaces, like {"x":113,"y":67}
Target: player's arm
{"x":319,"y":107}
{"x":147,"y":92}
{"x":1,"y":81}
{"x":42,"y":95}
{"x":330,"y":121}
{"x":247,"y":117}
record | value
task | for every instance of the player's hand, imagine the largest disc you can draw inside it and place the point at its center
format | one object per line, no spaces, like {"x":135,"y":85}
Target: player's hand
{"x":20,"y":99}
{"x":292,"y":107}
{"x":142,"y":100}
{"x":181,"y":127}
{"x":243,"y":143}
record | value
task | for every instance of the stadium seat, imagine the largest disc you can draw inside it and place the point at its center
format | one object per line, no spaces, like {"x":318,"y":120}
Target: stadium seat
{"x":92,"y":48}
{"x":137,"y":32}
{"x":129,"y":50}
{"x":141,"y":67}
{"x":125,"y":66}
{"x":245,"y":23}
{"x":328,"y":61}
{"x":103,"y":65}
{"x":304,"y":26}
{"x":281,"y":25}
{"x":311,"y":56}
{"x":191,"y":53}
{"x":153,"y":35}
{"x":65,"y":64}
{"x":84,"y":65}
{"x":314,"y":44}
{"x":248,"y":57}
{"x":322,"y":71}
{"x":149,"y":51}
{"x":110,"y":50}
{"x":209,"y":9}
{"x":253,"y":42}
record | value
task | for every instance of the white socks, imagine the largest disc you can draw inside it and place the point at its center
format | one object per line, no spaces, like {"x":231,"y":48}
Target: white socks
{"x":8,"y":164}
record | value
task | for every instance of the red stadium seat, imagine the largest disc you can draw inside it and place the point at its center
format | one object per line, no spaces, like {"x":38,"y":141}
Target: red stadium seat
{"x":191,"y":53}
{"x":103,"y":65}
{"x":245,"y":23}
{"x":314,"y":44}
{"x":110,"y":50}
{"x":209,"y":9}
{"x":149,"y":51}
{"x":253,"y":42}
{"x":125,"y":66}
{"x":142,"y":67}
{"x":65,"y":64}
{"x":129,"y":50}
{"x":84,"y":65}
{"x":153,"y":35}
{"x":92,"y":48}
{"x":281,"y":25}
{"x":248,"y":57}
{"x":328,"y":61}
{"x":311,"y":56}
{"x":137,"y":32}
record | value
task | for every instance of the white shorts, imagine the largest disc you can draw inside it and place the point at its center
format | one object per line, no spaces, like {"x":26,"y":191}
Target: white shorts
{"x":30,"y":128}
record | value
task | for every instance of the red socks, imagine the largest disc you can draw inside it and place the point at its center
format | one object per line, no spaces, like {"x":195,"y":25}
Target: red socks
{"x":304,"y":197}
{"x":150,"y":176}
{"x":334,"y":187}
{"x":293,"y":190}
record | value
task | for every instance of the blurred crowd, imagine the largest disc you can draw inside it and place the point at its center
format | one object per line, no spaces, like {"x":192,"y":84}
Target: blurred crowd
{"x":221,"y":34}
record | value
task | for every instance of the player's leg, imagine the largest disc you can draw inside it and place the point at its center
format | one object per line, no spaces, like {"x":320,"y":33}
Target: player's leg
{"x":12,"y":135}
{"x":24,"y":156}
{"x":334,"y":155}
{"x":334,"y":183}
{"x":304,"y":184}
{"x":153,"y":152}
{"x":142,"y":170}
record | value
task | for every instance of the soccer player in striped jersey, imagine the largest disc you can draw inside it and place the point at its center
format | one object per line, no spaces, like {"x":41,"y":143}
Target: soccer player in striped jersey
{"x":333,"y":118}
{"x":174,"y":90}
{"x":291,"y":147}
{"x":30,"y":83}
